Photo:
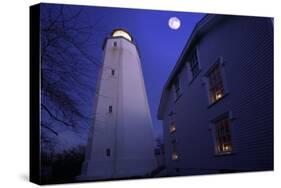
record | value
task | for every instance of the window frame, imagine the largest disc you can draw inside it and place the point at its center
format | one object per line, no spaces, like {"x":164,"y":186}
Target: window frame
{"x":175,"y":153}
{"x":177,"y":91}
{"x":171,"y":121}
{"x":214,"y":125}
{"x":108,"y":152}
{"x":172,"y":127}
{"x":112,"y":72}
{"x":193,"y":63}
{"x":115,"y":44}
{"x":110,"y":109}
{"x":191,"y":66}
{"x":220,"y":64}
{"x":216,"y":88}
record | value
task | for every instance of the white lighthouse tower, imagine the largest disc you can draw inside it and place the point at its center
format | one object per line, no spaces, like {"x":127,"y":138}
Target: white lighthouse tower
{"x":120,"y":142}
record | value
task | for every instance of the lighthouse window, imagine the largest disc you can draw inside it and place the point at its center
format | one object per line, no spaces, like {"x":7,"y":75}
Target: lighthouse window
{"x":108,"y":152}
{"x":114,"y":43}
{"x":122,"y":33}
{"x":112,"y":72}
{"x":110,"y":109}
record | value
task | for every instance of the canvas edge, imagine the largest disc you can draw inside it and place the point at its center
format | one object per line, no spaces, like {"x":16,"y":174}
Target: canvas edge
{"x":34,"y":95}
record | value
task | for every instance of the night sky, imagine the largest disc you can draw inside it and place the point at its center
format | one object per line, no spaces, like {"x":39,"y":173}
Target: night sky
{"x":159,"y":48}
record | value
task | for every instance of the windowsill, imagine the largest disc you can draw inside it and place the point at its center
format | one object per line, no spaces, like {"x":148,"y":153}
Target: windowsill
{"x":194,"y":77}
{"x":172,"y":132}
{"x":224,"y":154}
{"x":176,"y":159}
{"x":217,"y":101}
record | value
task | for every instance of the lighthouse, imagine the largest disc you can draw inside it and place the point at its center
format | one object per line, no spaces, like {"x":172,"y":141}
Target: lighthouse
{"x":120,"y":142}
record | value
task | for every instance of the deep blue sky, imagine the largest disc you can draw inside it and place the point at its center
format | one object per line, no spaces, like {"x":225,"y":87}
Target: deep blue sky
{"x":159,"y":46}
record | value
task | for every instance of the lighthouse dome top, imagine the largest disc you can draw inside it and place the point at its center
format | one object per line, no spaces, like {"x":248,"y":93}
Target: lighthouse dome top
{"x":121,"y":33}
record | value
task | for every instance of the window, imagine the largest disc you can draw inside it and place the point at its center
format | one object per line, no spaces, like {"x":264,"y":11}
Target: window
{"x":174,"y":151}
{"x":172,"y":124}
{"x":193,"y":63}
{"x":216,"y":89}
{"x":172,"y":127}
{"x":112,"y":72}
{"x":157,"y":151}
{"x":115,"y":44}
{"x":177,"y":87}
{"x":108,"y":152}
{"x":223,"y":136}
{"x":110,"y":109}
{"x":122,"y":33}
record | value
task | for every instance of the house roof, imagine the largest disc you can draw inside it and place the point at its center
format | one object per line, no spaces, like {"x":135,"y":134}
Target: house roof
{"x":200,"y":29}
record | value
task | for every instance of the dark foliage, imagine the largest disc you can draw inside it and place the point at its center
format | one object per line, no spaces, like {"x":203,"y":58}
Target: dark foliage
{"x":67,"y":65}
{"x":62,"y":167}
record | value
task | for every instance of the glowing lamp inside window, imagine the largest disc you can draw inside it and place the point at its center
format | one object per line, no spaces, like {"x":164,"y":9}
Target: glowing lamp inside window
{"x":226,"y":148}
{"x":175,"y":156}
{"x":172,"y":127}
{"x":122,"y":33}
{"x":218,"y":95}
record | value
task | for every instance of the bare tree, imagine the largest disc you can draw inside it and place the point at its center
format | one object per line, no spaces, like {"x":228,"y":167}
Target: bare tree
{"x":68,"y":69}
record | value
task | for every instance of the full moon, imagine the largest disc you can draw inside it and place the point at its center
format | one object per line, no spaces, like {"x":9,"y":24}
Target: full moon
{"x":174,"y":23}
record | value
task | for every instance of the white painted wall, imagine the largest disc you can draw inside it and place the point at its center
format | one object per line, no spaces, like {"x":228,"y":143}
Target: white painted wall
{"x":127,"y":131}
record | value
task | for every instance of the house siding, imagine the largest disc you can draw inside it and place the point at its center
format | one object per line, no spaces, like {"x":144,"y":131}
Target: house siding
{"x":246,"y":47}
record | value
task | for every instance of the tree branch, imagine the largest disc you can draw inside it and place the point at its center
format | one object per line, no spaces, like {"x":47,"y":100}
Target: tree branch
{"x":54,"y":117}
{"x":50,"y":129}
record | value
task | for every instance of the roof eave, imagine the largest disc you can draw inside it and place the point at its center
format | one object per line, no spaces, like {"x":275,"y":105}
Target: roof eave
{"x":196,"y":33}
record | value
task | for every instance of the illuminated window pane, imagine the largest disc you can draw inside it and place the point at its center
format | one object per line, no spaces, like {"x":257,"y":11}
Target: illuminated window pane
{"x":172,"y":127}
{"x":216,"y":88}
{"x":223,"y":136}
{"x":175,"y":155}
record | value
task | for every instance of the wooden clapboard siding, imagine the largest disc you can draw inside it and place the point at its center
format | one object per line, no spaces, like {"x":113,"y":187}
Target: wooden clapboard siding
{"x":246,"y":47}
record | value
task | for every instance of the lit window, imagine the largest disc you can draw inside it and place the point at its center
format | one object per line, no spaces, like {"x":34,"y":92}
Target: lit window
{"x":172,"y":127}
{"x":177,"y":88}
{"x":108,"y":152}
{"x":122,"y":33}
{"x":193,"y":63}
{"x":174,"y":151}
{"x":223,"y":136}
{"x":216,"y":89}
{"x":171,"y":122}
{"x":110,"y":109}
{"x":175,"y":156}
